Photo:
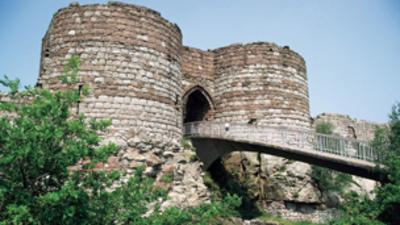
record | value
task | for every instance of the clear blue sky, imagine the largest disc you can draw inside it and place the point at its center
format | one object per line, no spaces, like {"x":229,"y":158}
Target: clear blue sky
{"x":351,"y":47}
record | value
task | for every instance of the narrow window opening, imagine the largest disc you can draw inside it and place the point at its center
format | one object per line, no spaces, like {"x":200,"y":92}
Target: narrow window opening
{"x":170,"y":58}
{"x":176,"y":100}
{"x":252,"y":121}
{"x":351,"y":132}
{"x":46,"y":53}
{"x":78,"y":103}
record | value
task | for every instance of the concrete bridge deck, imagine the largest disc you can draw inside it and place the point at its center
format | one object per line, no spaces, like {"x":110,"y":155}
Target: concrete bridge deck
{"x":214,"y":140}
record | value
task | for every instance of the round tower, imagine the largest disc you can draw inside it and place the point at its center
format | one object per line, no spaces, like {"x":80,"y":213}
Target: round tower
{"x":130,"y":58}
{"x":261,"y":83}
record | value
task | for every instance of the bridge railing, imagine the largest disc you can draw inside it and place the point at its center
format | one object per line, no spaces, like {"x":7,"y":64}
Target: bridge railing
{"x":344,"y":146}
{"x":283,"y":137}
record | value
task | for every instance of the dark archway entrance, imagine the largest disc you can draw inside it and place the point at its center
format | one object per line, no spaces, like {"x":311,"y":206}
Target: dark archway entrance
{"x":197,"y":105}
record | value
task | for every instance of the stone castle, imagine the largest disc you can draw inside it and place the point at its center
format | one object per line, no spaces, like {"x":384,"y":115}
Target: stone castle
{"x":149,"y":84}
{"x":142,"y":76}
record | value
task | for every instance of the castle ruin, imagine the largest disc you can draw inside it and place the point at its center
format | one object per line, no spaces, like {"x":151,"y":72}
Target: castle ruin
{"x":149,"y":84}
{"x":142,"y":76}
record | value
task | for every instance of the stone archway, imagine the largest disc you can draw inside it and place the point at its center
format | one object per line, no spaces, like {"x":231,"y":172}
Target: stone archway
{"x":197,"y":105}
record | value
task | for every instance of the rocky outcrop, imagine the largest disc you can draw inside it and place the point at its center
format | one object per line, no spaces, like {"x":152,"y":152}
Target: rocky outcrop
{"x":175,"y":168}
{"x":286,"y":188}
{"x":272,"y":178}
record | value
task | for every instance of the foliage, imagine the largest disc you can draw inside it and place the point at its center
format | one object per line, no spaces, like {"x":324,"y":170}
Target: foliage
{"x":203,"y":215}
{"x":13,"y":85}
{"x":329,"y":180}
{"x":40,"y":140}
{"x":215,"y":189}
{"x":185,"y":143}
{"x":385,"y":207}
{"x":324,"y":128}
{"x":70,"y":75}
{"x":270,"y":219}
{"x":222,"y":183}
{"x":380,"y":143}
{"x":167,"y":177}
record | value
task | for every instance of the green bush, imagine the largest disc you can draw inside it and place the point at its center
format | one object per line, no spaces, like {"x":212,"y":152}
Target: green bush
{"x":324,"y":128}
{"x":329,"y":180}
{"x":385,"y":207}
{"x":185,"y":143}
{"x":40,"y":140}
{"x":167,"y":178}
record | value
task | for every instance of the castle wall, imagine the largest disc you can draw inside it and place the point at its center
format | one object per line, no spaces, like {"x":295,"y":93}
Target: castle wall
{"x":138,"y":71}
{"x":130,"y":58}
{"x":345,"y":126}
{"x":4,"y":98}
{"x":198,"y":69}
{"x":261,"y":81}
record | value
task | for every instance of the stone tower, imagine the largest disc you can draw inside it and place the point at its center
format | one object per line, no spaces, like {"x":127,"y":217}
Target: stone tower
{"x":142,"y":77}
{"x":130,"y":58}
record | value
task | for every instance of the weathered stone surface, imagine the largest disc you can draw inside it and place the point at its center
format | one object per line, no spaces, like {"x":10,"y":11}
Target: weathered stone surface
{"x":345,"y":126}
{"x":261,"y":82}
{"x":273,"y":178}
{"x":187,"y":188}
{"x":130,"y":58}
{"x":287,"y":186}
{"x":139,"y":72}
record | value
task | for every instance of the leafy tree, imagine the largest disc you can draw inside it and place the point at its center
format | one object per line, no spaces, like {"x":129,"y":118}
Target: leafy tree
{"x":324,"y":128}
{"x":329,"y":180}
{"x":388,"y":196}
{"x":385,"y":207}
{"x":380,"y":144}
{"x":40,"y":140}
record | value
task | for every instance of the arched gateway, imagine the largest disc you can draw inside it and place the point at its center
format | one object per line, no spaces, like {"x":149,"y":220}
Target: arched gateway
{"x":197,"y":105}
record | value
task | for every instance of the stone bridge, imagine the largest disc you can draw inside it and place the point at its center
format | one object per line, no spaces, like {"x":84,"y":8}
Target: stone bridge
{"x":213,"y":140}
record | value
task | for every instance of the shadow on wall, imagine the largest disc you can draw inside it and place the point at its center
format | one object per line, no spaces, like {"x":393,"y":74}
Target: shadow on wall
{"x":228,"y":183}
{"x":197,"y":105}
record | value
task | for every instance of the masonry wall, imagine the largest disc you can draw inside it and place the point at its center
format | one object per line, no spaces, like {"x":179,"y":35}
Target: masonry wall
{"x":345,"y":126}
{"x":4,"y":98}
{"x":138,"y":71}
{"x":263,"y":82}
{"x":130,"y":58}
{"x":198,"y":69}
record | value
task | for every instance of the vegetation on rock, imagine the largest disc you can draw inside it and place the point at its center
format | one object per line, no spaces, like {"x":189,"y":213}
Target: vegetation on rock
{"x":40,"y":140}
{"x":329,"y":181}
{"x":385,"y":207}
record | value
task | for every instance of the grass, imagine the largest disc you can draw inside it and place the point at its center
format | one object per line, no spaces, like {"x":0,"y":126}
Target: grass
{"x":269,"y":218}
{"x":167,"y":178}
